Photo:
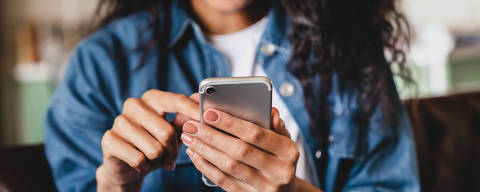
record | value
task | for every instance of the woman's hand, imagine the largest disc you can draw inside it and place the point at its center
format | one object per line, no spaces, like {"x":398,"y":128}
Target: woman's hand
{"x":142,"y":140}
{"x":250,"y":159}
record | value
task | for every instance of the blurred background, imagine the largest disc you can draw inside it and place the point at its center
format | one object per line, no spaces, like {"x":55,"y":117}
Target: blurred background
{"x":35,"y":43}
{"x":38,"y":36}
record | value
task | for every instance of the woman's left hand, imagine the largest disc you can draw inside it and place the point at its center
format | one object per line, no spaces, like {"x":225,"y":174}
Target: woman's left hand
{"x":252,"y":158}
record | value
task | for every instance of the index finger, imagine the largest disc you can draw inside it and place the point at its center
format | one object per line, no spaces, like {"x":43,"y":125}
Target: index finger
{"x":167,"y":102}
{"x":180,"y":119}
{"x":249,"y":132}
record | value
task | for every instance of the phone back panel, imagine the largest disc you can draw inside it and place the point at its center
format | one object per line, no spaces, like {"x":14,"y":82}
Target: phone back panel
{"x":248,"y":98}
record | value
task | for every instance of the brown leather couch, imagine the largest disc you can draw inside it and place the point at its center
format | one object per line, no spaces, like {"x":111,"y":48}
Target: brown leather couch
{"x":447,"y":136}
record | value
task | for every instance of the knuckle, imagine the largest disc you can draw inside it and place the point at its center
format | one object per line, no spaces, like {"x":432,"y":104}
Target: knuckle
{"x":167,"y":134}
{"x":137,"y":161}
{"x":294,"y":154}
{"x":231,"y":166}
{"x":156,"y":152}
{"x":202,"y":148}
{"x":149,"y":94}
{"x":170,"y":133}
{"x":227,"y":121}
{"x":106,"y":139}
{"x":208,"y":138}
{"x":220,"y":180}
{"x":119,"y":120}
{"x":131,"y":104}
{"x":287,"y":175}
{"x":199,"y":148}
{"x":244,"y":151}
{"x":181,"y":98}
{"x":255,"y":136}
{"x":121,"y":123}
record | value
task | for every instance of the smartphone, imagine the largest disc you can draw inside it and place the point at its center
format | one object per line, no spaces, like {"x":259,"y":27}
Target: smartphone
{"x":247,"y":98}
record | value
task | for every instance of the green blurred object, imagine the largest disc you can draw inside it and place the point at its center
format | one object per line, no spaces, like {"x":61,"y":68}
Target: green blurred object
{"x":462,"y":75}
{"x":34,"y":99}
{"x":35,"y":89}
{"x":465,"y":73}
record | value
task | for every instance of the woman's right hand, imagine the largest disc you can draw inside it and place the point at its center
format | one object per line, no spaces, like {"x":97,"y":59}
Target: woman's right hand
{"x":142,"y":140}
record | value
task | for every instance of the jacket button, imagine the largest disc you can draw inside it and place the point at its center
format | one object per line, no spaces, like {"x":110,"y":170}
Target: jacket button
{"x":331,"y":138}
{"x":268,"y":49}
{"x":287,"y":89}
{"x":318,"y":154}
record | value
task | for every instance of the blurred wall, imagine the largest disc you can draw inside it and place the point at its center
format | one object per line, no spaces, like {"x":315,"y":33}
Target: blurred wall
{"x":441,"y":65}
{"x":453,"y":13}
{"x":14,"y":13}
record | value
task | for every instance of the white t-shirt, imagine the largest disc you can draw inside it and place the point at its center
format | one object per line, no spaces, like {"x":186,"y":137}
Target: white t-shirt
{"x":239,"y":48}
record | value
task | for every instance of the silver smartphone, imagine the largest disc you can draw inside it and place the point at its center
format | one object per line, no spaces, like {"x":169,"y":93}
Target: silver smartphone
{"x":247,"y":98}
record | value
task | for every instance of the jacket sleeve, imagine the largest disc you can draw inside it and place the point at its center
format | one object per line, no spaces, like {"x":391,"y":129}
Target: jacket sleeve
{"x":81,"y":110}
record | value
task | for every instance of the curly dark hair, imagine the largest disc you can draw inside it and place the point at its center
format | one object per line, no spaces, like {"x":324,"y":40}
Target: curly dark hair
{"x":338,"y":40}
{"x":348,"y":40}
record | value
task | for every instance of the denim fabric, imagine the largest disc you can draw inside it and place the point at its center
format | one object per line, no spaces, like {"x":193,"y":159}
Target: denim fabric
{"x":104,"y":71}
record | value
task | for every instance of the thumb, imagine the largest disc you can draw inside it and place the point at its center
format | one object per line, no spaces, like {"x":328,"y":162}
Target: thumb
{"x":278,"y":125}
{"x":178,"y":122}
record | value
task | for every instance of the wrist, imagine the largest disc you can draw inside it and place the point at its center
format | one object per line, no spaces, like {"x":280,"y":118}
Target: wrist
{"x":107,"y":182}
{"x":302,"y":185}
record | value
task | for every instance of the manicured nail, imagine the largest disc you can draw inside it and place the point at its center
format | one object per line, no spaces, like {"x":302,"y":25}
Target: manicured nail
{"x":186,"y":139}
{"x":210,"y":116}
{"x":189,"y":152}
{"x":275,"y":111}
{"x":190,"y":128}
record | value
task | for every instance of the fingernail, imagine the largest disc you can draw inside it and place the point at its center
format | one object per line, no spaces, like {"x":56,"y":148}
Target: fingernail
{"x":210,"y":116}
{"x":275,"y":111}
{"x":190,"y":128}
{"x":186,"y":139}
{"x":172,"y":166}
{"x":189,"y":152}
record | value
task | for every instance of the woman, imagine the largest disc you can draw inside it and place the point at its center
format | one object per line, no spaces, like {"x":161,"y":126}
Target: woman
{"x":120,"y":120}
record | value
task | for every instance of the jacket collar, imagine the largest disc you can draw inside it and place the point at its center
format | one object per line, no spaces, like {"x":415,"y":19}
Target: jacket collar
{"x":180,"y":20}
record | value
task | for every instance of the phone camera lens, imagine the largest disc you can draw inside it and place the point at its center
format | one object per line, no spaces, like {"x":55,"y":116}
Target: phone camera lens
{"x":210,"y":90}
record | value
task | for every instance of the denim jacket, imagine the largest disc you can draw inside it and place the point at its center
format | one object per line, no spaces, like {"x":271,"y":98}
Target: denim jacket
{"x":104,"y":71}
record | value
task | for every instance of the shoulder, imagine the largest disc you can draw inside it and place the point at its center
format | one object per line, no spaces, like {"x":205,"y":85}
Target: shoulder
{"x":113,"y":48}
{"x":99,"y":61}
{"x":345,"y":104}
